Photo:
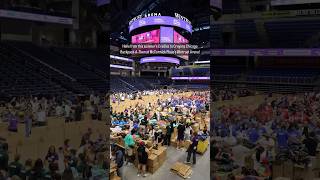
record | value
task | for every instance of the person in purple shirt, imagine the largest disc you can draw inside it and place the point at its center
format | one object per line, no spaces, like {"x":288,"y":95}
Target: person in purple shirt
{"x":282,"y":138}
{"x":13,"y":123}
{"x":192,"y":149}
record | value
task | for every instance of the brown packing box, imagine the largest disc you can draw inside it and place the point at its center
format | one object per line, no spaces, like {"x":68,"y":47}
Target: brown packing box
{"x":182,"y":170}
{"x":163,"y":154}
{"x":195,"y":127}
{"x":175,"y":132}
{"x":164,"y":130}
{"x":157,"y":151}
{"x":173,"y":143}
{"x":288,"y":169}
{"x":113,"y":165}
{"x":186,"y":144}
{"x":152,"y":160}
{"x":282,"y":178}
{"x":249,"y":163}
{"x":148,"y":143}
{"x":277,"y":170}
{"x":113,"y":170}
{"x":113,"y":174}
{"x":174,"y":138}
{"x":115,"y":178}
{"x":154,"y":168}
{"x":198,"y":119}
{"x":136,"y":162}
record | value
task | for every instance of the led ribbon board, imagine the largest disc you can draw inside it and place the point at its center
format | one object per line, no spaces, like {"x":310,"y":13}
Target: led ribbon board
{"x":120,"y":67}
{"x":190,"y":78}
{"x":292,"y":2}
{"x":35,"y":17}
{"x":159,"y":59}
{"x":216,"y":3}
{"x":160,"y":20}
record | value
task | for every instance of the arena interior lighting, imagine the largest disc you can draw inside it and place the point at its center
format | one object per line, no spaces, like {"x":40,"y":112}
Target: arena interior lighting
{"x":190,"y":78}
{"x":35,"y":17}
{"x":159,"y":59}
{"x":202,"y":62}
{"x":121,"y":58}
{"x":121,"y":67}
{"x":267,"y":52}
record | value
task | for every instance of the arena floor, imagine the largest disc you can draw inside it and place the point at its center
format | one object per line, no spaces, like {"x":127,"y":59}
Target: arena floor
{"x":199,"y":171}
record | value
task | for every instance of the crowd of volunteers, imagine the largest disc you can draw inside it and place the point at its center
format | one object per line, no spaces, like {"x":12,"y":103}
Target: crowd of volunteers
{"x":168,"y":122}
{"x":283,"y":127}
{"x":84,"y":161}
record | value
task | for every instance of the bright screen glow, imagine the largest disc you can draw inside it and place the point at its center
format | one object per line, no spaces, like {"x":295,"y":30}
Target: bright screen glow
{"x":179,"y":39}
{"x":151,"y":37}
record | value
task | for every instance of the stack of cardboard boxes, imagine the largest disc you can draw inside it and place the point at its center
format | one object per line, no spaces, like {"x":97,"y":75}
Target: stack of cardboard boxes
{"x":156,"y":159}
{"x":118,"y":140}
{"x":174,"y":136}
{"x":113,"y":172}
{"x":186,"y":144}
{"x":153,"y":163}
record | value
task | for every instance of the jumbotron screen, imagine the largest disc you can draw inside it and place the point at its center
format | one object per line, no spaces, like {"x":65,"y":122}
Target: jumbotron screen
{"x":162,"y":35}
{"x":151,"y":37}
{"x":179,"y":39}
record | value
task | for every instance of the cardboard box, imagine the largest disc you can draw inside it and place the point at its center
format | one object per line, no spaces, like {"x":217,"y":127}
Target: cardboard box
{"x":136,"y":162}
{"x":249,"y":162}
{"x":287,"y":169}
{"x":148,"y":143}
{"x":163,"y":154}
{"x":173,"y":143}
{"x":113,"y":170}
{"x":115,"y":178}
{"x":187,"y":143}
{"x":277,"y":170}
{"x":154,"y":168}
{"x":152,"y":160}
{"x":175,"y":132}
{"x":182,"y":170}
{"x":282,"y":178}
{"x":196,"y":127}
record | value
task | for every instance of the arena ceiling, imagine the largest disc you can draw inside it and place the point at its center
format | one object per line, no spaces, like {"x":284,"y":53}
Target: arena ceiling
{"x":121,"y":11}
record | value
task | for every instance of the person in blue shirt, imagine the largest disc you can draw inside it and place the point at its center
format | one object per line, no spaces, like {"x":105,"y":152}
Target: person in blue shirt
{"x":262,"y":129}
{"x":234,"y":129}
{"x":222,"y":130}
{"x":282,"y":138}
{"x":253,"y":135}
{"x":294,"y":135}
